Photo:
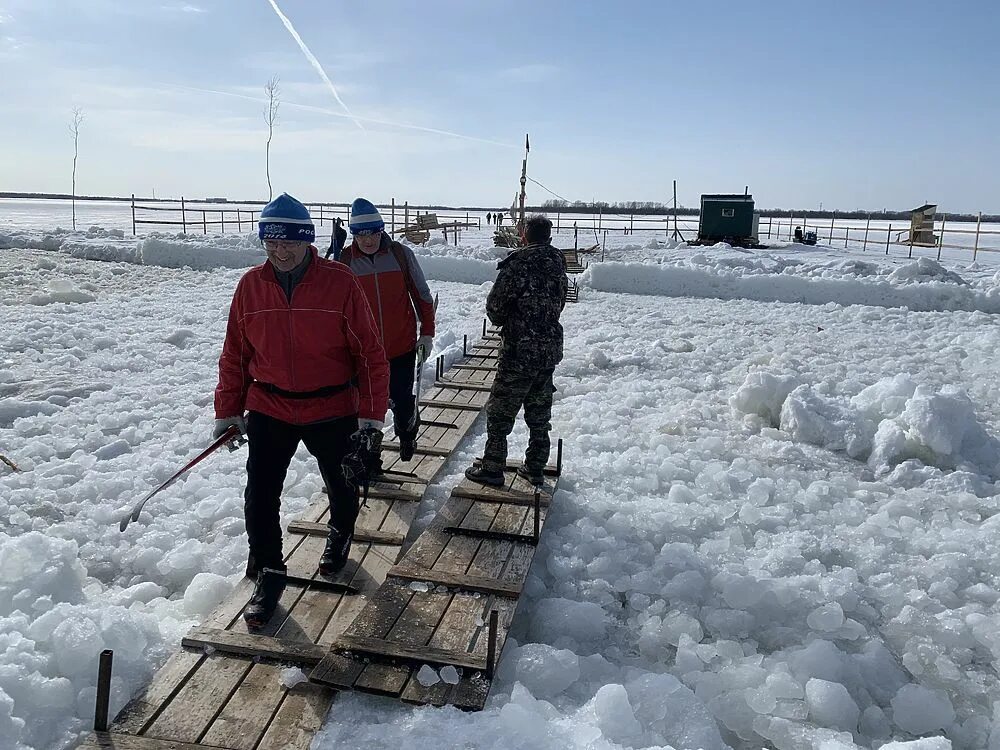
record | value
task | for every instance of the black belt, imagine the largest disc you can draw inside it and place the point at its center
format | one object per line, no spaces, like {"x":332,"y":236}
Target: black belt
{"x":326,"y":390}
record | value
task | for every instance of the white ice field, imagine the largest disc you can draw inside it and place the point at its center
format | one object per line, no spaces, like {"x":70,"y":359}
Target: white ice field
{"x":775,"y":528}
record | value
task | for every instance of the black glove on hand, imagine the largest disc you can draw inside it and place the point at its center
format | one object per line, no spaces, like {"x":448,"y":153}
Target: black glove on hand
{"x":364,"y":461}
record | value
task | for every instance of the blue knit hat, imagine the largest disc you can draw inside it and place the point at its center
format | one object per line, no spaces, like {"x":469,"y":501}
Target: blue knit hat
{"x":365,"y":218}
{"x":285,"y":218}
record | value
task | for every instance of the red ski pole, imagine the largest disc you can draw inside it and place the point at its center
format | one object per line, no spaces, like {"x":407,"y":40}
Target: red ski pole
{"x":228,"y":436}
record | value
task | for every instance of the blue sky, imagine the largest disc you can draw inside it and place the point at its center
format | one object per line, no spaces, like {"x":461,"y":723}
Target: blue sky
{"x":852,"y":104}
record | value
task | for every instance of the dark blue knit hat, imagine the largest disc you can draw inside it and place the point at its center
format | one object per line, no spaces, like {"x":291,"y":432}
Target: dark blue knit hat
{"x":365,"y":218}
{"x":285,"y":218}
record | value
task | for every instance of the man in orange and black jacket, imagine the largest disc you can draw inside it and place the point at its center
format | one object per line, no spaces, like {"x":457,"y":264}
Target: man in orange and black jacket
{"x":398,"y":294}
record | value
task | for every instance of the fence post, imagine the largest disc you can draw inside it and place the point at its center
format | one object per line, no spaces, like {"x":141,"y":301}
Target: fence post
{"x":847,"y":233}
{"x":393,"y":216}
{"x":557,"y":222}
{"x":204,"y":222}
{"x":103,"y":699}
{"x":975,"y":250}
{"x":222,"y":215}
{"x":576,"y":234}
{"x":406,"y":213}
{"x":944,"y":220}
{"x":832,"y":220}
{"x":864,"y":247}
{"x":910,"y":242}
{"x":133,"y":214}
{"x":239,"y":220}
{"x":631,"y":224}
{"x":600,"y":217}
{"x":184,"y":226}
{"x":888,"y":235}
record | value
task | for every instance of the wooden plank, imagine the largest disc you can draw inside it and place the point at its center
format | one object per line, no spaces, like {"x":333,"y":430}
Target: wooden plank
{"x":451,"y":405}
{"x":466,"y":614}
{"x":427,"y":547}
{"x":360,"y":535}
{"x":412,"y":630}
{"x":120,"y":741}
{"x":258,"y":646}
{"x":246,"y":715}
{"x":299,"y":718}
{"x":188,"y":715}
{"x":378,"y":560}
{"x":420,"y":449}
{"x":482,"y":493}
{"x":143,"y":709}
{"x":465,"y":386}
{"x":375,"y":619}
{"x":381,"y":648}
{"x":463,"y":582}
{"x":489,"y":368}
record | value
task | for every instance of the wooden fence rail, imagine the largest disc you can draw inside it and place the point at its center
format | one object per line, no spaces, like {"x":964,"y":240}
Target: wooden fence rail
{"x":195,"y":217}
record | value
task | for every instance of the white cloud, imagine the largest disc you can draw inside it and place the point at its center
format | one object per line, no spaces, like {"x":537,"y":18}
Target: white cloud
{"x":185,"y":8}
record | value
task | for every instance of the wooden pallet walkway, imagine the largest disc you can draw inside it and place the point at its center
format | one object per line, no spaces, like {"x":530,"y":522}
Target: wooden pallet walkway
{"x":436,"y":605}
{"x":223,"y":690}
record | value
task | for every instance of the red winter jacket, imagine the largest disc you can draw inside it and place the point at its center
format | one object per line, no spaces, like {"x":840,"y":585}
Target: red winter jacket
{"x":324,"y":337}
{"x":393,"y":293}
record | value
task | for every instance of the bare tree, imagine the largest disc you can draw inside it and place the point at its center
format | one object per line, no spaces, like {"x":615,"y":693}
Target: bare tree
{"x":271,"y":118}
{"x":74,"y":128}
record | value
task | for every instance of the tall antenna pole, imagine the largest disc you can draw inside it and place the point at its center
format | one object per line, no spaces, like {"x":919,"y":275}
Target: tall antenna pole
{"x":524,"y":176}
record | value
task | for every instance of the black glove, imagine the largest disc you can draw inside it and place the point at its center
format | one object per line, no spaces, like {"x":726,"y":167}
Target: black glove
{"x":364,"y":460}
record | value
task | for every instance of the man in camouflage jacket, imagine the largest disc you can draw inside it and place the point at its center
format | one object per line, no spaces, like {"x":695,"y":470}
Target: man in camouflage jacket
{"x":526,"y":300}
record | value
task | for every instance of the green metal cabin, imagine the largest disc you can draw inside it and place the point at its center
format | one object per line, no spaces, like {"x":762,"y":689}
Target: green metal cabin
{"x":726,"y":218}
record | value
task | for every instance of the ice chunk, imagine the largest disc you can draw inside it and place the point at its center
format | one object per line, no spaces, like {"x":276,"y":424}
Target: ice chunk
{"x":546,"y":671}
{"x":763,"y":393}
{"x":830,"y":705}
{"x":428,"y":676}
{"x":819,"y":420}
{"x":664,"y":706}
{"x":557,"y":618}
{"x":292,"y":676}
{"x":828,"y":618}
{"x":205,"y":592}
{"x":918,"y":710}
{"x":614,"y":714}
{"x":450,"y":675}
{"x":925,"y":743}
{"x":76,"y":642}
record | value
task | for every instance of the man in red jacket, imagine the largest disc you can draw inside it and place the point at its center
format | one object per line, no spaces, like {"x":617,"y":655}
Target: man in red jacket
{"x":303,"y":355}
{"x":398,"y":294}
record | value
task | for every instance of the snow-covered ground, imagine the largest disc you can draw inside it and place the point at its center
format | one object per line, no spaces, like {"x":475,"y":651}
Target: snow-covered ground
{"x":775,"y":529}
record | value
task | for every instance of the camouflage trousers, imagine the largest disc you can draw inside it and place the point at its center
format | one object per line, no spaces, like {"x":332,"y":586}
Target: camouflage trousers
{"x":513,"y":388}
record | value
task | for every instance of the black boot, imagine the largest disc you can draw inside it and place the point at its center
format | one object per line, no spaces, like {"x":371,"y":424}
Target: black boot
{"x":338,"y":548}
{"x":535,"y":476}
{"x":407,"y":447}
{"x":270,"y":586}
{"x":484,"y":476}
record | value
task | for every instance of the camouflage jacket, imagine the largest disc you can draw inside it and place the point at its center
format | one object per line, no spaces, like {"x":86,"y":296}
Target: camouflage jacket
{"x":526,"y":301}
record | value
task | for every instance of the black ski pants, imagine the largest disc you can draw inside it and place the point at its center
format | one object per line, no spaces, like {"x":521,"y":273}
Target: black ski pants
{"x":401,"y":372}
{"x":272,"y":445}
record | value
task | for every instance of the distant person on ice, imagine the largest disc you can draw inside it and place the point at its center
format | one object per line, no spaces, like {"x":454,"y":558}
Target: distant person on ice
{"x":489,"y":218}
{"x":337,"y":239}
{"x":399,"y":296}
{"x":525,"y":302}
{"x":300,"y":335}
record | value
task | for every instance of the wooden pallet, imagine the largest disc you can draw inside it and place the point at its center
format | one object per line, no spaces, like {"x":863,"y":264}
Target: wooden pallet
{"x":223,"y":689}
{"x":435,"y":605}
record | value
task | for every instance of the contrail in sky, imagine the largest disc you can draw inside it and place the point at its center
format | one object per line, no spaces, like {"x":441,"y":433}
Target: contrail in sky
{"x":313,"y":61}
{"x":401,"y":125}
